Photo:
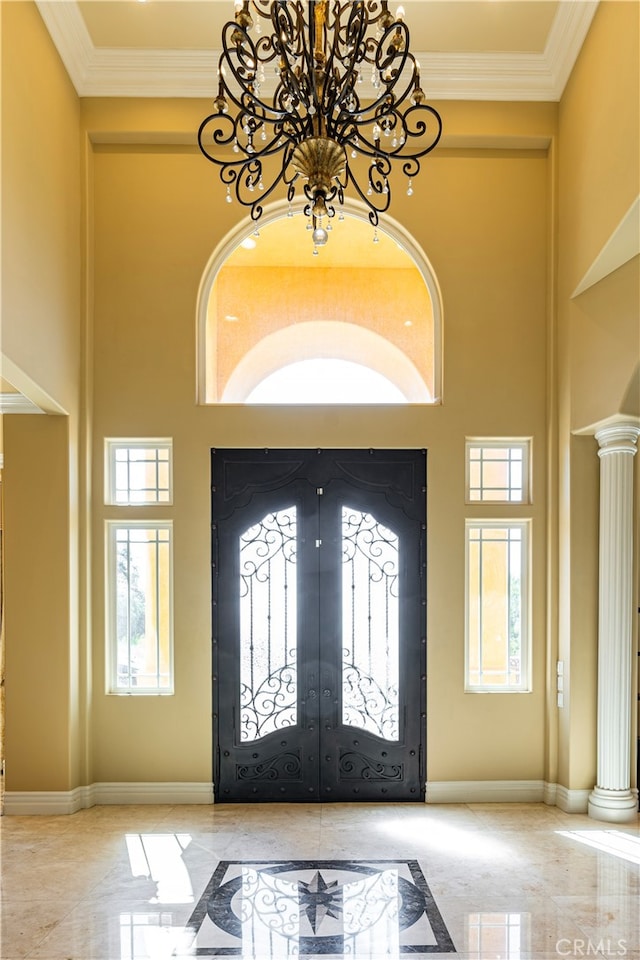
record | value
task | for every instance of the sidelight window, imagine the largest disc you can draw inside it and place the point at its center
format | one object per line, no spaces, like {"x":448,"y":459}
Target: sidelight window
{"x":497,"y":606}
{"x":139,"y":615}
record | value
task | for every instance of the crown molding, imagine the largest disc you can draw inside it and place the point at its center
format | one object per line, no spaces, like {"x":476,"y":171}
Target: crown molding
{"x":71,"y":38}
{"x":17,"y":403}
{"x":119,"y":72}
{"x":568,"y":33}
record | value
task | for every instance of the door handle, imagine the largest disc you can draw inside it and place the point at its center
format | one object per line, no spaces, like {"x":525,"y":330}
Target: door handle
{"x":326,"y":692}
{"x":312,"y":694}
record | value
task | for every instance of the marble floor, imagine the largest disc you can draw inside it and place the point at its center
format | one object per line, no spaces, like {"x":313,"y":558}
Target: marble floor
{"x":480,"y":881}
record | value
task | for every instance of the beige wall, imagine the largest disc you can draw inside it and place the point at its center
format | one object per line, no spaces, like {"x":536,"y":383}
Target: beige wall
{"x":598,"y":178}
{"x":38,"y":656}
{"x":598,"y":181}
{"x":41,"y":199}
{"x":41,"y":347}
{"x":599,"y":137}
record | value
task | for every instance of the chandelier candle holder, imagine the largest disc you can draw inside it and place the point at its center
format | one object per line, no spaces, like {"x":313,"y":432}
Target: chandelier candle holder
{"x":347,"y":104}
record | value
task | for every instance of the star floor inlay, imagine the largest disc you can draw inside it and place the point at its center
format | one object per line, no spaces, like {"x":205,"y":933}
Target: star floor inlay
{"x":334,"y":908}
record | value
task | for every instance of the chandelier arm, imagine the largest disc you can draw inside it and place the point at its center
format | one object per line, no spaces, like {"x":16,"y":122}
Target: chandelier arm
{"x":379,"y":184}
{"x":374,"y":218}
{"x":289,"y":44}
{"x":411,"y":168}
{"x":402,"y":151}
{"x":260,"y":109}
{"x":288,"y":38}
{"x":420,"y":128}
{"x":393,"y":73}
{"x":382,"y":15}
{"x":240,"y":100}
{"x":398,"y":46}
{"x":235,"y":40}
{"x":247,"y":178}
{"x":348,"y":50}
{"x":255,"y":110}
{"x":242,"y":60}
{"x":262,"y":8}
{"x":339,"y":90}
{"x":220,"y":139}
{"x":377,"y":195}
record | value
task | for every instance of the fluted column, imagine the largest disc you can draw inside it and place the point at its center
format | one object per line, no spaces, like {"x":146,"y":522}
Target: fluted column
{"x":612,"y":798}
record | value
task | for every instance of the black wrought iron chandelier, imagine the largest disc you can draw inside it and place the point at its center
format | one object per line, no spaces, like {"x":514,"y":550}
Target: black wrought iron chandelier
{"x":347,"y":105}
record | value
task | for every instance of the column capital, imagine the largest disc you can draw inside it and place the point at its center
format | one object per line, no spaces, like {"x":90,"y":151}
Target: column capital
{"x":618,"y":437}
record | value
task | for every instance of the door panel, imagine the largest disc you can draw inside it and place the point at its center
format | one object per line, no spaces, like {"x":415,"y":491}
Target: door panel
{"x":319,"y":624}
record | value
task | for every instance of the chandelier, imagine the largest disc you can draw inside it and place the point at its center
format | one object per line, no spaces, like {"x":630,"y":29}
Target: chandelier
{"x":345,"y":105}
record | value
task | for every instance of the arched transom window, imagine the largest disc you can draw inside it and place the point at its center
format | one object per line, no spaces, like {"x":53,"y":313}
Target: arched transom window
{"x":357,"y":323}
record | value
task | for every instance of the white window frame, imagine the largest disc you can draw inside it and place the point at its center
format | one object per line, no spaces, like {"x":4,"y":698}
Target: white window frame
{"x":500,"y":443}
{"x":111,"y":447}
{"x":525,"y":685}
{"x":111,"y":528}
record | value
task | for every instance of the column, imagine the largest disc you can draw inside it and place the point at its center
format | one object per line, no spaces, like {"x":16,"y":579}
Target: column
{"x":612,"y":798}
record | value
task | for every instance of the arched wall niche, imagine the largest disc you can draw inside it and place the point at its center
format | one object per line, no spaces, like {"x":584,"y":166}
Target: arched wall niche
{"x":228,"y":367}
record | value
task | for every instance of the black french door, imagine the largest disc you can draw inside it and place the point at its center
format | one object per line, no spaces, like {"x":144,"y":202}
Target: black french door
{"x":319,"y":624}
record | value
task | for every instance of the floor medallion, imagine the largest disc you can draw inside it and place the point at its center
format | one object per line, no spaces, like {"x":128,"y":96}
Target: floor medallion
{"x":329,"y":908}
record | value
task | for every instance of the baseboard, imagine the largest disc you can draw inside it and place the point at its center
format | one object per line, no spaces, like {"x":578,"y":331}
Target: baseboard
{"x":53,"y":802}
{"x":46,"y":802}
{"x":485,"y":791}
{"x":571,"y":801}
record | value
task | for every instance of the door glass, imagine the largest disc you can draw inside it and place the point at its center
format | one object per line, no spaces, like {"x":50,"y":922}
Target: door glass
{"x":370,"y":649}
{"x":268,"y":680}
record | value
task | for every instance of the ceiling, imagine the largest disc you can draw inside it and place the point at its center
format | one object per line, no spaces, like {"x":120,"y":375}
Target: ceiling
{"x":467,"y":49}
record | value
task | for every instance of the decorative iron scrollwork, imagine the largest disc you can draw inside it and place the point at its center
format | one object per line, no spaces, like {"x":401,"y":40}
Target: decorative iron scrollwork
{"x":272,"y":706}
{"x":282,"y":766}
{"x":358,"y":766}
{"x":370,"y":617}
{"x":367,"y":705}
{"x":268,"y":671}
